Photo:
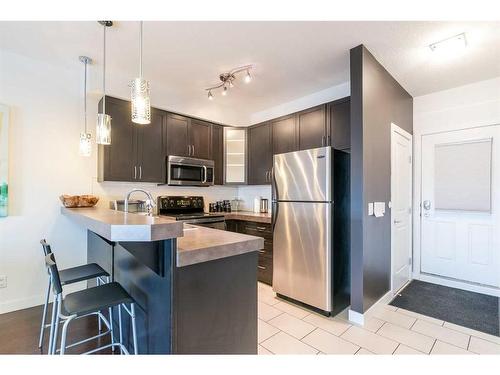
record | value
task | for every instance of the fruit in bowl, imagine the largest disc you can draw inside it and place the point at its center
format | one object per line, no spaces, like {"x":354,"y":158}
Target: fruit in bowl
{"x":74,"y":201}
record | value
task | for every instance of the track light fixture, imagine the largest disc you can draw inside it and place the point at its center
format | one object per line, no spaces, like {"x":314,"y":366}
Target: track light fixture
{"x":228,"y":79}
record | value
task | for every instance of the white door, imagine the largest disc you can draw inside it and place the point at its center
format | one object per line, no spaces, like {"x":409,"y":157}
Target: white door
{"x":461,"y":205}
{"x":401,"y":199}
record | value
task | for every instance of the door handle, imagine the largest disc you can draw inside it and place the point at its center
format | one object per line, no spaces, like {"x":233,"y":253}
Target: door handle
{"x":135,"y":172}
{"x":204,"y":174}
{"x":140,"y":172}
{"x":193,"y":150}
{"x":427,"y":205}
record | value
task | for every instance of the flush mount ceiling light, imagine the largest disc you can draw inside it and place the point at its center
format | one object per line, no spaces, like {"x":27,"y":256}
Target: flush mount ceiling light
{"x":228,"y":79}
{"x":85,"y":137}
{"x":141,"y":103}
{"x":450,"y":47}
{"x":103,"y":128}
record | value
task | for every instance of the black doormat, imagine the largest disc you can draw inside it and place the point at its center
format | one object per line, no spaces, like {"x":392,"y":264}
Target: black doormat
{"x":468,"y":309}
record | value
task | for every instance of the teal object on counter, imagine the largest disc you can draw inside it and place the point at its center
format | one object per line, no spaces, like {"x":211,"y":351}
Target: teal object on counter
{"x":4,"y":160}
{"x":4,"y":200}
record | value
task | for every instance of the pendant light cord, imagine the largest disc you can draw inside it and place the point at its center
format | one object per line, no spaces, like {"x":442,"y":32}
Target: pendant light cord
{"x":85,"y":97}
{"x":104,"y":73}
{"x":140,"y":52}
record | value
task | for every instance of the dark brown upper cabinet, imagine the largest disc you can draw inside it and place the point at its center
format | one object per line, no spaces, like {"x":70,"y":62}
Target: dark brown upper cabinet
{"x":188,"y":137}
{"x":200,"y":137}
{"x":311,"y":128}
{"x":218,"y":153}
{"x":177,"y":135}
{"x":136,"y":152}
{"x":284,"y":134}
{"x":151,"y":155}
{"x":339,"y":119}
{"x":260,"y":154}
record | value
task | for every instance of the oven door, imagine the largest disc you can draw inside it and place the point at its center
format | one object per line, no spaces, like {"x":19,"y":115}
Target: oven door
{"x":189,"y":171}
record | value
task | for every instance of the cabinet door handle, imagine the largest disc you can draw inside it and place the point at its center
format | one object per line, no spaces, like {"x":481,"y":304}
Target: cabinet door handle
{"x":261,"y":267}
{"x":140,"y":172}
{"x":262,"y":251}
{"x":193,"y":150}
{"x":135,"y":172}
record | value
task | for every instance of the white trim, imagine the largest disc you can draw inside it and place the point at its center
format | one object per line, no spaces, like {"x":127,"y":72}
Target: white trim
{"x":405,"y":134}
{"x":21,"y":303}
{"x":356,"y":317}
{"x":452,"y":283}
{"x":359,"y":318}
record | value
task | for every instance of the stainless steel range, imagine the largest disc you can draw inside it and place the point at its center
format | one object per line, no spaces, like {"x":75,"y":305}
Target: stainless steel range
{"x":190,"y":210}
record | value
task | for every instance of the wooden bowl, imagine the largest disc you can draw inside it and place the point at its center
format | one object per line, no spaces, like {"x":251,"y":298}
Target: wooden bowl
{"x":75,"y":201}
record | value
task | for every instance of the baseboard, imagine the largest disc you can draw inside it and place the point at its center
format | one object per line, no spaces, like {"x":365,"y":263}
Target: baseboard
{"x":21,"y":303}
{"x":35,"y":300}
{"x":359,"y":318}
{"x":356,"y":317}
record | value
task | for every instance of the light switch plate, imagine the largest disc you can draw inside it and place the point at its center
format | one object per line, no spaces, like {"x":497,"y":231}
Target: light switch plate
{"x":370,"y":209}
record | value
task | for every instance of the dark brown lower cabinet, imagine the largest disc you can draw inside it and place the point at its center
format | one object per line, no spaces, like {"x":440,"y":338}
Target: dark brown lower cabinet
{"x":265,"y":262}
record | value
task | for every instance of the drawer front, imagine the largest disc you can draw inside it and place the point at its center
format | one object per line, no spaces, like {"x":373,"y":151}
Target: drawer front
{"x":265,"y":270}
{"x":257,"y":229}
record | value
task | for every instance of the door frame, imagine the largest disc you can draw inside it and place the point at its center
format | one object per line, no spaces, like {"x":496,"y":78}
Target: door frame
{"x":397,"y":130}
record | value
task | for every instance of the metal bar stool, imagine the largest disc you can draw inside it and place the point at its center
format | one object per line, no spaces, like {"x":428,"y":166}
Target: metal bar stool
{"x":84,"y":303}
{"x":70,"y":276}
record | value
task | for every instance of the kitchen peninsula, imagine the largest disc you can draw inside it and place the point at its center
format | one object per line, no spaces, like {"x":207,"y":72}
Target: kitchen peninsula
{"x":195,"y":287}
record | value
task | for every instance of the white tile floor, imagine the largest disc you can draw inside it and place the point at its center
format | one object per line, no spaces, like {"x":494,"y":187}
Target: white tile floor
{"x":285,"y":328}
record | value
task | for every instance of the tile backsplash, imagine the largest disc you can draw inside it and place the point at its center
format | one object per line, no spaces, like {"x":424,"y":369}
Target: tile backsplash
{"x":108,"y":191}
{"x":248,"y":193}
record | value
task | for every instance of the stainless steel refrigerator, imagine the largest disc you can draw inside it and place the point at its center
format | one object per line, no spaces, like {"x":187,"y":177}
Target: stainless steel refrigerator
{"x":303,"y":227}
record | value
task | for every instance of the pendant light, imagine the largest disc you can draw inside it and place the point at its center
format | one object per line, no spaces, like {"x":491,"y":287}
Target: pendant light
{"x":85,"y":137}
{"x":141,"y":106}
{"x":103,"y":128}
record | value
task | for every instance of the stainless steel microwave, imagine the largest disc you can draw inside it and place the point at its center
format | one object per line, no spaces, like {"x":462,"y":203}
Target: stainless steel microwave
{"x":183,"y":171}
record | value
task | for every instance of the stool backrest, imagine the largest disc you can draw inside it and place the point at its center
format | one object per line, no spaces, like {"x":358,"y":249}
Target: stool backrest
{"x":50,"y":263}
{"x":46,"y":247}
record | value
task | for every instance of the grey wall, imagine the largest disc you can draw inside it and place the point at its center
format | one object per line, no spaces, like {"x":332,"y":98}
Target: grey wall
{"x":377,"y":99}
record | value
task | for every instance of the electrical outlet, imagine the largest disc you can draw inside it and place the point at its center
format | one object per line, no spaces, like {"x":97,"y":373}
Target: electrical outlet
{"x":3,"y":281}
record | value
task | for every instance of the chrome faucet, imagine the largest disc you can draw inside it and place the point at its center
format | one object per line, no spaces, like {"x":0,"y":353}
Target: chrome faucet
{"x":150,"y":202}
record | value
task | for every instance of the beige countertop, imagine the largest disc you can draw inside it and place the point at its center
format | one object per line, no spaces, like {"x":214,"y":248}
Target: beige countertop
{"x":201,"y":244}
{"x":248,"y":216}
{"x":119,"y":226}
{"x":194,"y":244}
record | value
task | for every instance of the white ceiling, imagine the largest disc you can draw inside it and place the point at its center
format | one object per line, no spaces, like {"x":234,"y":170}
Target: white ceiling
{"x":292,"y":59}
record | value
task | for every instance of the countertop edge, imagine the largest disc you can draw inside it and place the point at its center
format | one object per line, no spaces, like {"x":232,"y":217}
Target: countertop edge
{"x":209,"y":253}
{"x":115,"y":232}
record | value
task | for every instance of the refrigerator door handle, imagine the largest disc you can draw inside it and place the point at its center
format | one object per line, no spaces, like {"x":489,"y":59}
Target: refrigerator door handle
{"x":274,"y":214}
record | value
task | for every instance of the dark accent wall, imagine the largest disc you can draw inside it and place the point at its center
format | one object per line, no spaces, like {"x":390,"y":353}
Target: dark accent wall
{"x":377,"y":100}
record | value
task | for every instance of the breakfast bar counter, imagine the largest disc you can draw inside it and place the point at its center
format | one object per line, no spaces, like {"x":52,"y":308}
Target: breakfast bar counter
{"x":195,"y":287}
